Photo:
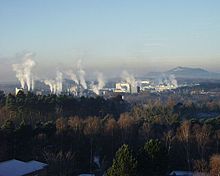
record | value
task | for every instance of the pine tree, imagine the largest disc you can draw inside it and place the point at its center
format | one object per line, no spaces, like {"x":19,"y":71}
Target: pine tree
{"x":124,"y":163}
{"x":152,"y":159}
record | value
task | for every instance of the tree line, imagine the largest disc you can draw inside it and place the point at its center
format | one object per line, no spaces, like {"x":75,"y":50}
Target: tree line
{"x":97,"y":135}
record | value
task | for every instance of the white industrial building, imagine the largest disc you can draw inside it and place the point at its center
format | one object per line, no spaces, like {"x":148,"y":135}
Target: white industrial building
{"x":125,"y":88}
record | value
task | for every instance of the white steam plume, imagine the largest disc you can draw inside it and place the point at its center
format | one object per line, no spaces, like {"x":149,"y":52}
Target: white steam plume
{"x":168,"y":80}
{"x":56,"y":85}
{"x":50,"y":83}
{"x":173,"y":80}
{"x":19,"y":74}
{"x":59,"y":82}
{"x":100,"y":84}
{"x":24,"y":72}
{"x":81,"y":74}
{"x":72,"y":76}
{"x":28,"y":65}
{"x":101,"y":81}
{"x":33,"y":83}
{"x":128,"y":78}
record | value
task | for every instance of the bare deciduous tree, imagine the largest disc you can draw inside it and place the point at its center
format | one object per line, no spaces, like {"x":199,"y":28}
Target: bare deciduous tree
{"x":61,"y":124}
{"x":60,"y":163}
{"x":202,"y":137}
{"x":126,"y":124}
{"x":92,"y":128}
{"x":111,"y":127}
{"x":169,"y":137}
{"x":217,"y":137}
{"x":184,"y":136}
{"x":75,"y":123}
{"x":215,"y":165}
{"x":145,"y":131}
{"x":200,"y":166}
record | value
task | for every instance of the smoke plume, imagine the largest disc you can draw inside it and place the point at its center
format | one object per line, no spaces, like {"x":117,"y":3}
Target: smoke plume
{"x":128,"y":78}
{"x":56,"y":85}
{"x":59,"y":82}
{"x":72,"y":76}
{"x":168,"y":80}
{"x":24,"y":72}
{"x":50,"y":83}
{"x":173,"y":80}
{"x":100,"y":83}
{"x":81,"y":74}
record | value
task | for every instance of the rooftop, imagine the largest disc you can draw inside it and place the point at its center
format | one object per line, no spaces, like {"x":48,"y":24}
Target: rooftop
{"x":19,"y":168}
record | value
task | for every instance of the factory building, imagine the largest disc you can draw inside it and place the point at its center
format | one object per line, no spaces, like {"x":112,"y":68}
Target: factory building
{"x":125,"y":88}
{"x":20,"y":89}
{"x":122,"y":87}
{"x":164,"y":87}
{"x":145,"y":85}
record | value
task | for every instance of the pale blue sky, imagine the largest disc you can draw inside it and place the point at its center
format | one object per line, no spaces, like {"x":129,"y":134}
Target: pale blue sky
{"x":140,"y":35}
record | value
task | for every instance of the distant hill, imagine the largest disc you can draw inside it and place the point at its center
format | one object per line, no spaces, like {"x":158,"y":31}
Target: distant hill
{"x":188,"y":72}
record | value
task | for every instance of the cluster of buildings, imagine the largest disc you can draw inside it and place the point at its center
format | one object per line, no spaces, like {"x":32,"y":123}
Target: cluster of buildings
{"x":120,"y":87}
{"x":143,"y":86}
